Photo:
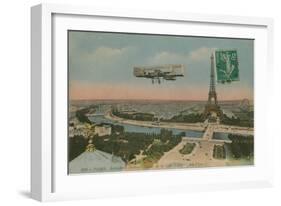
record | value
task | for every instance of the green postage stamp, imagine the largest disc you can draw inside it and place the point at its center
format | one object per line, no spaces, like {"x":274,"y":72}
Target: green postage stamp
{"x":227,"y":66}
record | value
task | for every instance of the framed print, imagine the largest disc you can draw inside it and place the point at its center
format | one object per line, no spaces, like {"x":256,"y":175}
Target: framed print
{"x":136,"y":103}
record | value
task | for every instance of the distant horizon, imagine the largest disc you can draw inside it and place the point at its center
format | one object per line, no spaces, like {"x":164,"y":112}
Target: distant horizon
{"x":193,"y":100}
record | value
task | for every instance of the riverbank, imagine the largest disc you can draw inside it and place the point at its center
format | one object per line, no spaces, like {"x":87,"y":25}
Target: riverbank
{"x":166,"y":125}
{"x":181,"y":126}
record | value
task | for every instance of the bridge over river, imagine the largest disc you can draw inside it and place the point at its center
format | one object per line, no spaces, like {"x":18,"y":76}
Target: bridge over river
{"x":217,"y":128}
{"x":208,"y":128}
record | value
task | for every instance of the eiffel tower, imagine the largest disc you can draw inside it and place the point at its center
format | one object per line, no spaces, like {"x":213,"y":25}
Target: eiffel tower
{"x":212,"y":108}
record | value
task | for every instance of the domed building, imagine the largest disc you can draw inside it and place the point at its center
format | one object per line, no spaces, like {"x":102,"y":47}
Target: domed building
{"x":93,"y":160}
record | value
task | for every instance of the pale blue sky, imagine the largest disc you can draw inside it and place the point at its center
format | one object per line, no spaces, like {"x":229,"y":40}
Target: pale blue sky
{"x":109,"y":58}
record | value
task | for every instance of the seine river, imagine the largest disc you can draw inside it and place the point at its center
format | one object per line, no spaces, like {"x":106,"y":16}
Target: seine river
{"x":142,"y":129}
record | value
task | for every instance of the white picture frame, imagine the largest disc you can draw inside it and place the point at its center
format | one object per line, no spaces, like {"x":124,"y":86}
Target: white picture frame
{"x":49,"y":179}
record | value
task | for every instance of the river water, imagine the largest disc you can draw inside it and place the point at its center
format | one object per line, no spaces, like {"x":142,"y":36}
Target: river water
{"x":142,"y":129}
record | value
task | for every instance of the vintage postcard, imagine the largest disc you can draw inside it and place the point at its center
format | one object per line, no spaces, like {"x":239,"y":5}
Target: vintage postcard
{"x":147,"y":102}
